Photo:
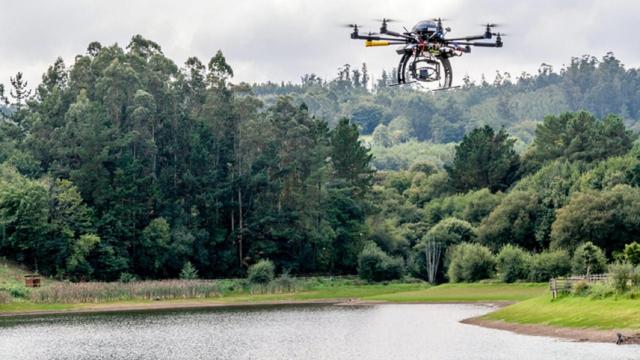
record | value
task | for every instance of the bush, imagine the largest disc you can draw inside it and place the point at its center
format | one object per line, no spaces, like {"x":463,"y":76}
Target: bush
{"x":581,"y":288}
{"x":126,"y":277}
{"x":601,"y":290}
{"x":188,"y":272}
{"x":620,"y":274}
{"x":261,"y":272}
{"x":470,"y":262}
{"x":16,"y":290}
{"x":549,"y":264}
{"x":375,"y":265}
{"x":588,"y":259}
{"x":513,"y":263}
{"x":632,"y":253}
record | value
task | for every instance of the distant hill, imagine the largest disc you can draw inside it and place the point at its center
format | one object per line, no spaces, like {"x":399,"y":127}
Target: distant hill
{"x":395,"y":115}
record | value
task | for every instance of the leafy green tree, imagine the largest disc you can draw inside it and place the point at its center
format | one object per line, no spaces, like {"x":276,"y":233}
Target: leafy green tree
{"x":470,"y":262}
{"x":580,"y":136}
{"x":607,"y":218}
{"x":375,"y":265}
{"x":484,"y":158}
{"x":154,"y":246}
{"x":549,"y":264}
{"x":632,"y":253}
{"x":515,"y":221}
{"x":588,"y":259}
{"x":513,"y":263}
{"x":350,"y":159}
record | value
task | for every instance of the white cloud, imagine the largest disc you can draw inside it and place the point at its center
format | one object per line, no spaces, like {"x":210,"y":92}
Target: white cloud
{"x":282,"y":39}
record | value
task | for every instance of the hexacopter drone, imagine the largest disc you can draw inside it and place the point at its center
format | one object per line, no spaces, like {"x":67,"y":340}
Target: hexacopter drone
{"x":426,"y":52}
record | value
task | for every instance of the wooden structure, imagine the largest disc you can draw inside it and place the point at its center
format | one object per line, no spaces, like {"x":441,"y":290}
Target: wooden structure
{"x":564,"y":284}
{"x":32,"y":280}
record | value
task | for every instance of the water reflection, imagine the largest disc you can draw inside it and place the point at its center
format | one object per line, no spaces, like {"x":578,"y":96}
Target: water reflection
{"x":291,"y":332}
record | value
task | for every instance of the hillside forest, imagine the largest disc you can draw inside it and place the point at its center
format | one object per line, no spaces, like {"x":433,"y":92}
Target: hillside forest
{"x":126,"y":163}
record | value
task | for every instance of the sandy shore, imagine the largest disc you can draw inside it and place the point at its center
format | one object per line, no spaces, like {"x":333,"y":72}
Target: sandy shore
{"x":575,"y":334}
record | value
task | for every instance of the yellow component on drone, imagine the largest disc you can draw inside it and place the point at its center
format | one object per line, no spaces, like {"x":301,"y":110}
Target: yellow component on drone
{"x":370,"y":43}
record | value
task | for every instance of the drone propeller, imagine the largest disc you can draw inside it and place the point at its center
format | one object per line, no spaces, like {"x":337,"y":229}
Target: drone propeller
{"x":386,"y":20}
{"x":491,"y":25}
{"x":353,"y":26}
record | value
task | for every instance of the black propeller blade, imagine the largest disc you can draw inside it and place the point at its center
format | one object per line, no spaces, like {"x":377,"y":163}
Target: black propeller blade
{"x":386,"y":20}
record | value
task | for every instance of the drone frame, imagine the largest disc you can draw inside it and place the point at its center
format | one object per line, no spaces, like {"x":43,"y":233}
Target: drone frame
{"x":437,"y":41}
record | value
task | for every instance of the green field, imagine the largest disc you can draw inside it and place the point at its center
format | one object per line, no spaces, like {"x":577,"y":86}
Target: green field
{"x":576,"y":312}
{"x":466,"y":293}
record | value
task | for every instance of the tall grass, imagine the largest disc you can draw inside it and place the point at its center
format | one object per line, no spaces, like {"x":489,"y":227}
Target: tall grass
{"x":5,"y":298}
{"x":93,"y":292}
{"x":116,"y":291}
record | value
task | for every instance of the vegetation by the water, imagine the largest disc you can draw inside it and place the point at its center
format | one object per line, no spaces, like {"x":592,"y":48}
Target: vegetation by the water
{"x":570,"y":311}
{"x":125,"y":170}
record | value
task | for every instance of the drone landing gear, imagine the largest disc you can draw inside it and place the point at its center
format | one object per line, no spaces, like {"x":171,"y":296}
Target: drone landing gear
{"x":425,"y":71}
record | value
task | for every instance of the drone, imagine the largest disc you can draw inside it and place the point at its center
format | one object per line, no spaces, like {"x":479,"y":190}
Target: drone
{"x":425,"y":51}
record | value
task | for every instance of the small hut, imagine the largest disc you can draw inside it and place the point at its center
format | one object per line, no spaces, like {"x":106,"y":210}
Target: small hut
{"x":32,"y":280}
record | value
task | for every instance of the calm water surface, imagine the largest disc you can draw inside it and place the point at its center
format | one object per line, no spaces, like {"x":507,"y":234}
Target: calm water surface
{"x":292,"y":332}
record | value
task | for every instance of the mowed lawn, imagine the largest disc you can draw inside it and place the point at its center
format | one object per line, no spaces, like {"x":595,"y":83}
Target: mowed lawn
{"x":467,"y":293}
{"x":576,"y":312}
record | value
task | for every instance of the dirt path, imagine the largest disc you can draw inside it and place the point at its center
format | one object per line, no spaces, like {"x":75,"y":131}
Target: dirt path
{"x":575,"y":334}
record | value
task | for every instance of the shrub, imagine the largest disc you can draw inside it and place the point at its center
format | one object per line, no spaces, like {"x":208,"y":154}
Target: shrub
{"x":188,"y":272}
{"x":513,"y":263}
{"x":470,"y":262}
{"x":632,"y":253}
{"x":261,"y":272}
{"x":588,"y":259}
{"x":126,"y":277}
{"x":549,"y":264}
{"x":601,"y":290}
{"x":15,"y":289}
{"x":375,"y":265}
{"x":620,"y":274}
{"x":581,"y":288}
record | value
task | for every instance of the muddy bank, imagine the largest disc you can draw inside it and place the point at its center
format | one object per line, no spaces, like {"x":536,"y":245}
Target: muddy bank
{"x":575,"y":334}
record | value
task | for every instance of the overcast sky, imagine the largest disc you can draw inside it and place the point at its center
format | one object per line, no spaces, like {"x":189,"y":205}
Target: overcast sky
{"x":282,"y":39}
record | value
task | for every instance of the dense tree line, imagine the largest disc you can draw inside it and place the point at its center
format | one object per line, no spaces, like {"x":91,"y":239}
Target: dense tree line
{"x":126,"y":164}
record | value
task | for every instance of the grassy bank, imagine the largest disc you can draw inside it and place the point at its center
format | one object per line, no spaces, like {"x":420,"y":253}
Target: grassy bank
{"x":573,"y":312}
{"x":89,"y":296}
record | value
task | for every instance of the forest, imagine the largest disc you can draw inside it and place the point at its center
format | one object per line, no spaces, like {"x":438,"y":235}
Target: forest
{"x":124,"y":163}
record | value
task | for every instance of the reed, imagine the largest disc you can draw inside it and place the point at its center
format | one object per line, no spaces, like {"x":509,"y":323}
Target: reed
{"x":90,"y":292}
{"x":93,"y":292}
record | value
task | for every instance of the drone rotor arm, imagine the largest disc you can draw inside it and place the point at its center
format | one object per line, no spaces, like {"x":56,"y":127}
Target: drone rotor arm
{"x":469,"y":38}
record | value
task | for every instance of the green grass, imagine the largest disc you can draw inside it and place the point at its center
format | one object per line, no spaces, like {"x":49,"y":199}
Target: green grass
{"x":575,"y":312}
{"x":467,"y":293}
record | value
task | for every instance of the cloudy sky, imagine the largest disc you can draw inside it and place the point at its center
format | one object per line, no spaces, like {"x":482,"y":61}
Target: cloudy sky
{"x":282,"y":39}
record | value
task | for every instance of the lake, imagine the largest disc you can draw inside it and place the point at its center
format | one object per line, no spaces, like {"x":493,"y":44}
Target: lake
{"x":287,"y":332}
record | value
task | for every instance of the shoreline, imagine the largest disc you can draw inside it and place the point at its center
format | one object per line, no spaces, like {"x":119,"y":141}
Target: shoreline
{"x":566,"y":333}
{"x":187,"y":304}
{"x":160,"y":306}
